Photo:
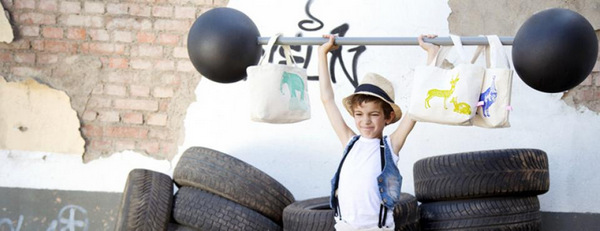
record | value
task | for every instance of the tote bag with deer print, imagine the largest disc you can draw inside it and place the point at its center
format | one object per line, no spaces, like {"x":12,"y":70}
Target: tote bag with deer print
{"x":446,"y":96}
{"x":279,"y":93}
{"x":494,"y":100}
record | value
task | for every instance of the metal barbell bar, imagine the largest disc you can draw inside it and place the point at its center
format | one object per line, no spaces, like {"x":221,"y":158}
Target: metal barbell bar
{"x":553,"y":51}
{"x":384,"y":41}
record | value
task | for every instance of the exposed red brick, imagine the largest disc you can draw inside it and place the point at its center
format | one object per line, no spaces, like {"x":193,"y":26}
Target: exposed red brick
{"x":28,"y":58}
{"x":90,"y":130}
{"x":121,"y":145}
{"x":163,"y":92}
{"x":157,"y":119}
{"x":141,"y":64}
{"x":157,"y":133}
{"x":99,"y":35}
{"x":108,"y":116}
{"x":116,"y":8}
{"x":181,"y":52}
{"x":52,"y":32}
{"x":163,"y":105}
{"x":172,"y":25}
{"x":36,"y":18}
{"x":149,"y":147}
{"x":120,"y":63}
{"x":48,"y":5}
{"x":148,"y":51}
{"x":145,"y":37}
{"x":70,"y":7}
{"x":185,"y":12}
{"x":60,"y":46}
{"x":122,"y":36}
{"x":164,"y":65}
{"x":32,"y":31}
{"x":139,"y":91}
{"x":24,"y":4}
{"x":185,"y":66}
{"x":100,"y":144}
{"x":47,"y":58}
{"x":136,"y":104}
{"x":171,"y":79}
{"x":5,"y":56}
{"x":82,"y":21}
{"x":162,"y":11}
{"x":115,"y":90}
{"x":98,"y":48}
{"x":168,"y":39}
{"x":126,"y":132}
{"x":132,"y":118}
{"x":89,"y":115}
{"x":94,"y":7}
{"x":76,"y":33}
{"x":168,"y":147}
{"x":139,"y":10}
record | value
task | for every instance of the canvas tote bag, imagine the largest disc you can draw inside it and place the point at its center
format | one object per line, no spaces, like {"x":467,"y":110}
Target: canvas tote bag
{"x":446,"y":96}
{"x":278,"y":93}
{"x":494,"y":99}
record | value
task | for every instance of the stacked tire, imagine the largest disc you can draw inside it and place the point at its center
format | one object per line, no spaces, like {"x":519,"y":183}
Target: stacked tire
{"x":216,"y":192}
{"x":483,"y":190}
{"x":316,"y":215}
{"x":220,"y":192}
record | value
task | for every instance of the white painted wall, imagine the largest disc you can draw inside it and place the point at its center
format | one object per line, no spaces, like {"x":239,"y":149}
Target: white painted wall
{"x":303,"y":156}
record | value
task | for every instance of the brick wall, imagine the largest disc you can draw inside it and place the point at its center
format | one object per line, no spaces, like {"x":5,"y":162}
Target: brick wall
{"x":123,"y":63}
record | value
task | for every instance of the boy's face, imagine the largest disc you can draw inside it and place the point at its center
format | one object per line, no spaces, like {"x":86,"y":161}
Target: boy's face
{"x":370,"y":119}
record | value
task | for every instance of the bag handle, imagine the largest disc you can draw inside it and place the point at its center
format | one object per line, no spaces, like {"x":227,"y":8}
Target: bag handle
{"x":497,"y":53}
{"x":486,"y":50}
{"x":270,"y":45}
{"x":494,"y":52}
{"x":288,"y":55}
{"x":442,"y":53}
{"x":459,"y":48}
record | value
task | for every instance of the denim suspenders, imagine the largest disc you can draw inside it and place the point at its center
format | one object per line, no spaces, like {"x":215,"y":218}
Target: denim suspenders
{"x":382,"y":209}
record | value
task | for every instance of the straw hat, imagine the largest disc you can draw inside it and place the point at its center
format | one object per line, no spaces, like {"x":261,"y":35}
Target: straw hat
{"x":375,"y":85}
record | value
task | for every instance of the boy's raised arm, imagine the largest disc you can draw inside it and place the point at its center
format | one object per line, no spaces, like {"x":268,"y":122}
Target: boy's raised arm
{"x":406,"y":125}
{"x":340,"y":127}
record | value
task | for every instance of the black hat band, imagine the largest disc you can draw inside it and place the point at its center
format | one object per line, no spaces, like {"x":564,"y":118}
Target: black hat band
{"x":373,"y":89}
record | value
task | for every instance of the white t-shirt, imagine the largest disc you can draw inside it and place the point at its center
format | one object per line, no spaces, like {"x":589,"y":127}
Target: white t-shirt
{"x":358,"y":192}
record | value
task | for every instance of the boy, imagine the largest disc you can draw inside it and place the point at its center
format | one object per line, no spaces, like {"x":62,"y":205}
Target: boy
{"x":367,"y":182}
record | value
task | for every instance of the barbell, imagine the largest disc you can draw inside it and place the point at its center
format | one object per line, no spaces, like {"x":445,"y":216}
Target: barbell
{"x":553,"y":51}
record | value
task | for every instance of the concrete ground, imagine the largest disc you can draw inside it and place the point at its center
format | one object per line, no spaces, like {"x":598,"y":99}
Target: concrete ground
{"x":35,"y":209}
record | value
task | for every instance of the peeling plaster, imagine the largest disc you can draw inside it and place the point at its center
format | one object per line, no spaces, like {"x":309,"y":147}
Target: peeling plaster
{"x":35,"y":117}
{"x":6,"y":32}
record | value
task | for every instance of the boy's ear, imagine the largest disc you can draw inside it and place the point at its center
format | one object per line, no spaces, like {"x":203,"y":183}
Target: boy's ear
{"x":390,"y":118}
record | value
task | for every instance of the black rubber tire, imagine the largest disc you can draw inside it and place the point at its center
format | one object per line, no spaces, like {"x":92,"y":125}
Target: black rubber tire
{"x":506,"y":172}
{"x":406,"y":213}
{"x":309,"y":215}
{"x":146,"y":202}
{"x":316,"y":215}
{"x":206,"y":211}
{"x":231,"y":178}
{"x":179,"y":227}
{"x":498,"y":213}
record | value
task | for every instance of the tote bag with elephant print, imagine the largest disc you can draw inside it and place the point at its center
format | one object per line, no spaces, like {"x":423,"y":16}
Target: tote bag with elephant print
{"x":494,"y":99}
{"x":278,"y":93}
{"x":446,"y":96}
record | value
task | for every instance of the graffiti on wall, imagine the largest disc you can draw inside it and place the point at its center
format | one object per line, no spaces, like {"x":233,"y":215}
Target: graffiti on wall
{"x":70,"y":218}
{"x":337,"y":56}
